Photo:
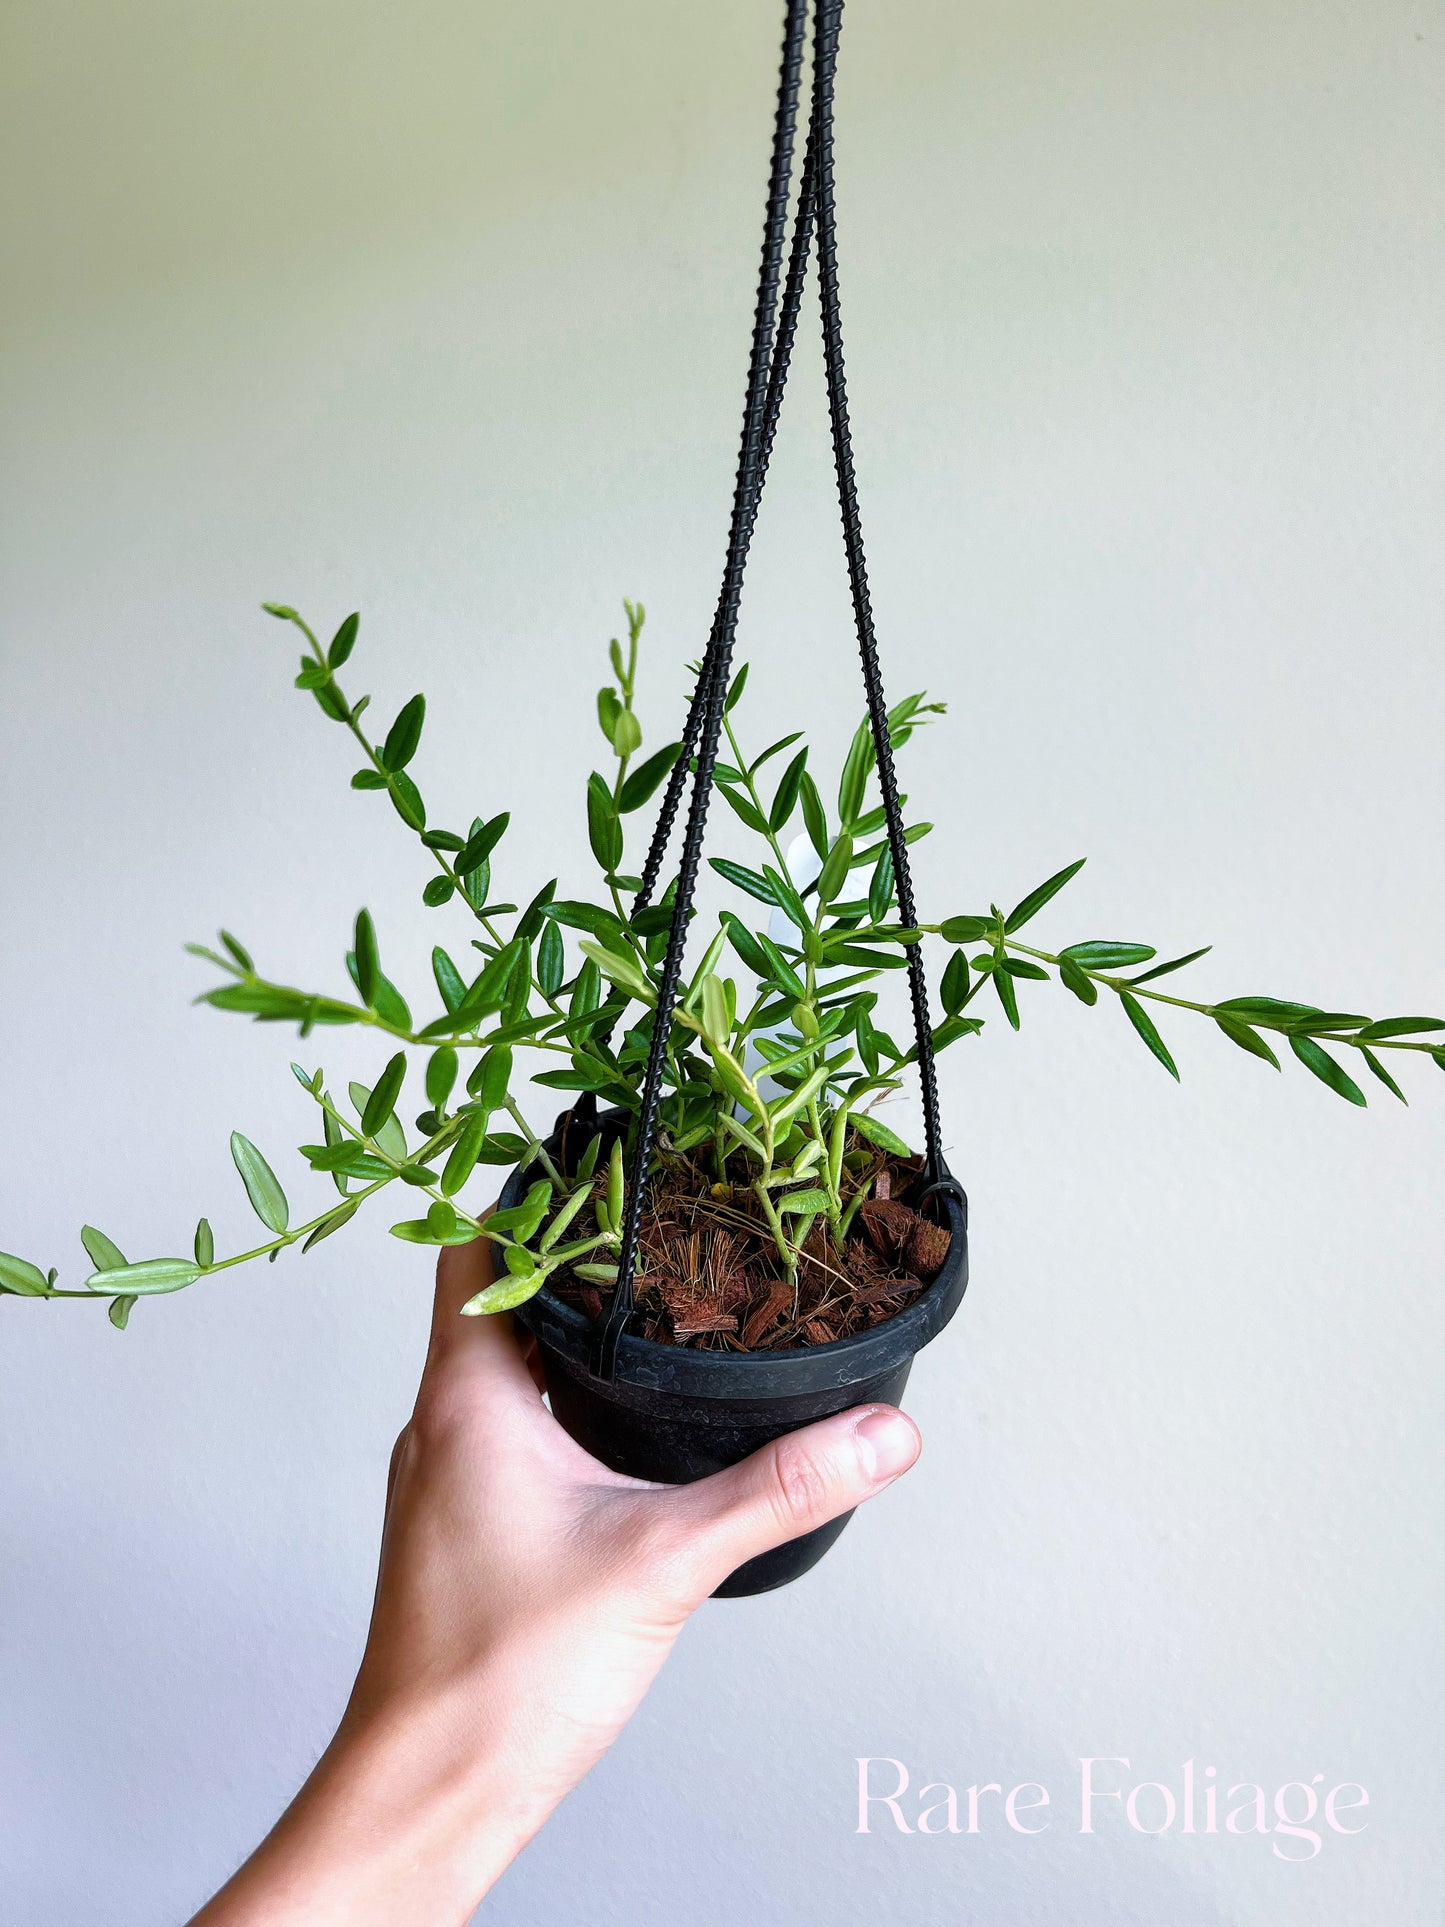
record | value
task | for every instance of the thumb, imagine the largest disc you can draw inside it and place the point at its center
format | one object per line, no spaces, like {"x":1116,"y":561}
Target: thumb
{"x":798,"y":1482}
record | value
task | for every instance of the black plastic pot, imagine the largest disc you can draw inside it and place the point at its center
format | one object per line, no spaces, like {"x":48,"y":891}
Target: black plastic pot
{"x":675,"y":1415}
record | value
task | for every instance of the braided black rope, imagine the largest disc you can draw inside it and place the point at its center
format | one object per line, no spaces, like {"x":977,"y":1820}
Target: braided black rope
{"x":774,"y":331}
{"x":714,"y":681}
{"x":827,"y":27}
{"x":777,"y":380}
{"x":584,"y":1111}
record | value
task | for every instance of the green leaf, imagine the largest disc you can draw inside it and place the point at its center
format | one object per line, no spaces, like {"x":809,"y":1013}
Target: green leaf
{"x":205,"y":1245}
{"x":391,"y":1138}
{"x":1384,"y":1076}
{"x":868,"y":1126}
{"x":343,"y":642}
{"x":391,"y":1005}
{"x":880,"y":890}
{"x":1144,"y":1024}
{"x":834,"y":873}
{"x":786,"y":897}
{"x":368,"y":779}
{"x":853,"y":782}
{"x":1084,"y":988}
{"x":442,"y":1217}
{"x":815,"y":817}
{"x":779,"y":969}
{"x":734,"y":695}
{"x":743,"y":809}
{"x":119,"y":1311}
{"x":746,"y":944}
{"x":641,"y":784}
{"x":489,"y":1080}
{"x":813,"y":1200}
{"x":238,"y":950}
{"x":18,"y":1275}
{"x":102,"y":1253}
{"x":437,"y":892}
{"x":465,"y":1153}
{"x":381,"y":1105}
{"x":147,"y":1280}
{"x":1021,"y":967}
{"x":487,"y":993}
{"x":281,"y":610}
{"x":443,"y":840}
{"x":952,"y":1028}
{"x":1238,"y":1032}
{"x":954,"y":989}
{"x":1003,"y":983}
{"x":481,"y":843}
{"x":418,"y":1231}
{"x":448,"y":979}
{"x":331,"y":701}
{"x":368,"y":958}
{"x":627,"y":738}
{"x":616,"y":1188}
{"x":1326,"y":1069}
{"x":1036,"y":899}
{"x":1174,"y":963}
{"x":591,"y":918}
{"x":1400,"y":1027}
{"x":505,"y":1295}
{"x":521,"y":1220}
{"x":1261,"y":1007}
{"x":268,"y":1200}
{"x":604,"y":829}
{"x":965,"y":929}
{"x":534,"y":917}
{"x":407,"y":798}
{"x":404,"y":735}
{"x":772,"y":750}
{"x":343,"y":1214}
{"x":551,"y":960}
{"x":715,"y":1019}
{"x":840,"y":952}
{"x":609,"y":708}
{"x":785,"y":799}
{"x":744,"y":878}
{"x":1101,"y":955}
{"x":625,"y":972}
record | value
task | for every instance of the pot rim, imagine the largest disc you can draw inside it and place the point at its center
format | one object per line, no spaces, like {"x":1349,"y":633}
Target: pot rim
{"x":798,"y":1371}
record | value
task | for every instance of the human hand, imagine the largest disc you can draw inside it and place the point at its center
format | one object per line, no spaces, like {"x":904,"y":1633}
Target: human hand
{"x":526,"y":1598}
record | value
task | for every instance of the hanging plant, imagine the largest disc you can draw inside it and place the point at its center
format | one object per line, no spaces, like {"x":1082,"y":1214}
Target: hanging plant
{"x":721,"y":1237}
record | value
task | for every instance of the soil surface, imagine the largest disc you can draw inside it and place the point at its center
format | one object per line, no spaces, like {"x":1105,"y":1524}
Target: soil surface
{"x":709,"y":1275}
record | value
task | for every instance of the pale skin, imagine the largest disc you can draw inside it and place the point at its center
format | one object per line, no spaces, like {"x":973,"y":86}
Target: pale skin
{"x":526,"y":1599}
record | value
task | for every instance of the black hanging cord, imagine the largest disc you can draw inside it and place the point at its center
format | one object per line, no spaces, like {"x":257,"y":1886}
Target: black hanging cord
{"x":714,"y":680}
{"x":773,"y":336}
{"x":584,"y":1111}
{"x":777,"y":381}
{"x":827,"y":26}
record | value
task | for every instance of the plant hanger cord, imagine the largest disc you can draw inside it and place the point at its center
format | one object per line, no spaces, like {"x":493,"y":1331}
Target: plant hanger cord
{"x":773,"y":335}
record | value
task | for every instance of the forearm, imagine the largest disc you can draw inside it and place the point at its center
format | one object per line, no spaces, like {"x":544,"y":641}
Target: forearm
{"x":407,"y":1821}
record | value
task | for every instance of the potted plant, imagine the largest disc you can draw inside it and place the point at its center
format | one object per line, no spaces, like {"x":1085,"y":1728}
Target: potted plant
{"x":735,"y":1242}
{"x":787,"y":1267}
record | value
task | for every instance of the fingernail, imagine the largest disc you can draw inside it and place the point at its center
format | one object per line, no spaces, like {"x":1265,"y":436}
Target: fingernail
{"x":887,"y":1444}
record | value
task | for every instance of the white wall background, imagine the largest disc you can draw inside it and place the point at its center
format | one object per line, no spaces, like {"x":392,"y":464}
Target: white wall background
{"x":440,"y":312}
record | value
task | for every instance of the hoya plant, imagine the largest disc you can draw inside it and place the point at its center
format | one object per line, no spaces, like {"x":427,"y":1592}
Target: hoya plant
{"x":773,"y":1214}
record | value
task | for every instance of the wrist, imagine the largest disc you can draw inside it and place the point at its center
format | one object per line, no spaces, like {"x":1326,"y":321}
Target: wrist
{"x":411,"y":1813}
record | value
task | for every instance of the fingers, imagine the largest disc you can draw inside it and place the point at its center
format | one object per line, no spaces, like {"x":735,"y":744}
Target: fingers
{"x":462,"y":1271}
{"x":490,"y":1346}
{"x":796,"y":1483}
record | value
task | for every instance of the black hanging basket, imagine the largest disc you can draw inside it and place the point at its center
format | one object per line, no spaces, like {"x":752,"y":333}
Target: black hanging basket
{"x":675,"y":1415}
{"x":660,"y":1411}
